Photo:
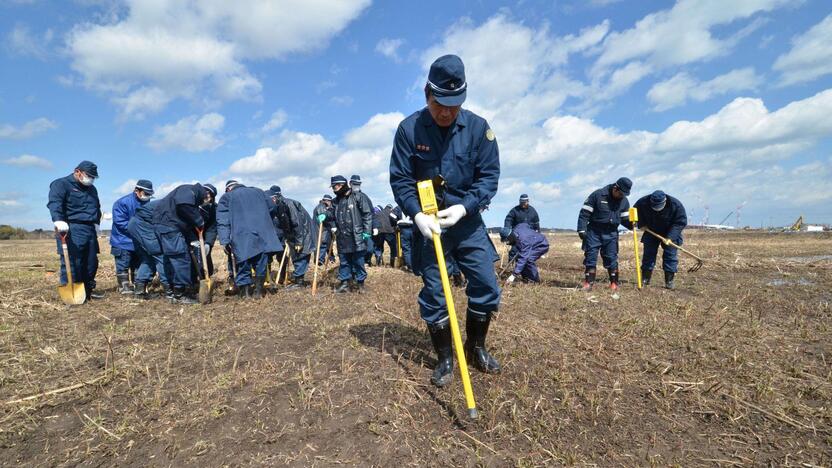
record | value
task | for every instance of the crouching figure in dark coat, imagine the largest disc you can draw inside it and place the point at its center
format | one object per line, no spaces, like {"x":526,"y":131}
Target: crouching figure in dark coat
{"x":530,"y":245}
{"x":296,"y":225}
{"x":664,"y":215}
{"x":244,"y":226}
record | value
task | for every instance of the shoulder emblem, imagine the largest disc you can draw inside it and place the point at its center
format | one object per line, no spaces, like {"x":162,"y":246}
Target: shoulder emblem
{"x":489,"y":135}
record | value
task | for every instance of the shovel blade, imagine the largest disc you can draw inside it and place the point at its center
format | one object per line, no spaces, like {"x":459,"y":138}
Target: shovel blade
{"x":73,"y":294}
{"x":399,"y":262}
{"x":205,"y":291}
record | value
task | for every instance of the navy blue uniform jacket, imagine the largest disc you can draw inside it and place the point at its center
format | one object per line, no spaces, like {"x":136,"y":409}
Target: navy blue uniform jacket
{"x":179,"y":211}
{"x":602,"y":211}
{"x":244,"y":221}
{"x":72,"y":202}
{"x":668,"y":222}
{"x":123,"y":210}
{"x":519,"y":215}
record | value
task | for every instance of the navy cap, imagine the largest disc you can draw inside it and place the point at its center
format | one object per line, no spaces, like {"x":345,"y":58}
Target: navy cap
{"x":145,"y":186}
{"x":89,"y":168}
{"x":657,"y":200}
{"x":446,"y":81}
{"x":231,"y":183}
{"x":505,"y":233}
{"x":327,"y":197}
{"x":355,"y":179}
{"x":339,"y":179}
{"x":624,"y":184}
{"x":211,"y":188}
{"x":275,"y":189}
{"x":524,"y":197}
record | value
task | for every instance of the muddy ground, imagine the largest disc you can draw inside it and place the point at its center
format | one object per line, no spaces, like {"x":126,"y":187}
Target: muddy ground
{"x":732,"y":368}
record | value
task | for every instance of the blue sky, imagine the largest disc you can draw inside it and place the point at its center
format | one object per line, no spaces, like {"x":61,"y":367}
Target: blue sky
{"x":718,"y":103}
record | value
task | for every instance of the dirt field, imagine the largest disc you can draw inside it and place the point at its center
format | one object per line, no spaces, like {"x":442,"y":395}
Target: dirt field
{"x":732,"y":368}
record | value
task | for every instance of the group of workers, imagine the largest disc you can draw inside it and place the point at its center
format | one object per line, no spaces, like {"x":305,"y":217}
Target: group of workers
{"x":442,"y":142}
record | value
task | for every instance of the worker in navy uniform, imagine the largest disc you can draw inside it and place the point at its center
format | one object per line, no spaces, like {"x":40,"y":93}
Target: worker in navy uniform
{"x":176,"y":220}
{"x":355,"y":187}
{"x":387,"y":233}
{"x":664,"y":215}
{"x":354,"y":222}
{"x":530,"y":245}
{"x":208,"y":210}
{"x":377,"y":244}
{"x":602,"y":212}
{"x":323,"y":214}
{"x":277,"y":218}
{"x":244,"y":226}
{"x":76,"y":212}
{"x":121,"y":244}
{"x":405,"y":228}
{"x":445,"y":143}
{"x":297,"y":228}
{"x":523,"y":213}
{"x":146,"y":245}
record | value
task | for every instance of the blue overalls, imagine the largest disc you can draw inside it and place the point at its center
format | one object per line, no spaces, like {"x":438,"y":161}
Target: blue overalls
{"x":78,"y":206}
{"x":146,"y":246}
{"x":468,"y":160}
{"x":600,"y":216}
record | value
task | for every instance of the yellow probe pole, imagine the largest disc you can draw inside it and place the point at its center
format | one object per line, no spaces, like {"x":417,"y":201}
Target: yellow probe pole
{"x":634,"y":220}
{"x":428,"y":200}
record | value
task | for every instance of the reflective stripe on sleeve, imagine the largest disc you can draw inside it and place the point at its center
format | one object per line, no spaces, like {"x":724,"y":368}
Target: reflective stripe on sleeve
{"x":588,"y":208}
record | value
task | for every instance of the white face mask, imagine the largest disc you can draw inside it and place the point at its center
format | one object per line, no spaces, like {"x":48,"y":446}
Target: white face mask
{"x":145,"y":198}
{"x":86,"y":180}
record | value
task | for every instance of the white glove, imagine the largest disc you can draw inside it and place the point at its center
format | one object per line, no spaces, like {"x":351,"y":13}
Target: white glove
{"x":195,"y":244}
{"x":427,"y":225}
{"x":393,"y":216}
{"x":510,"y":280}
{"x":334,"y":230}
{"x":375,"y":232}
{"x":61,"y":226}
{"x":450,"y":216}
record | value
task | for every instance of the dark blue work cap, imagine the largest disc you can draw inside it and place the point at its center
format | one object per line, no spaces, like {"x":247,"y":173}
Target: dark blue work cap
{"x":524,"y":197}
{"x":657,"y":200}
{"x":339,"y":179}
{"x":624,"y":184}
{"x":327,"y":197}
{"x":446,"y":81}
{"x":210,"y":188}
{"x":275,"y":189}
{"x":355,"y":179}
{"x":145,"y":186}
{"x":88,"y":168}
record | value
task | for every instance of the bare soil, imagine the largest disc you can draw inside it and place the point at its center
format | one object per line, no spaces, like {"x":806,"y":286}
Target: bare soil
{"x":732,"y":368}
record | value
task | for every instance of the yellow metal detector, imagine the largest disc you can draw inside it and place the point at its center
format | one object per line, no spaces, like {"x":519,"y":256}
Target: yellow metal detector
{"x":427,"y":197}
{"x":634,"y":220}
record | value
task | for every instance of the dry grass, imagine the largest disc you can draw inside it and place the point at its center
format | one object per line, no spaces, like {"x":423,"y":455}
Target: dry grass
{"x":727,"y":370}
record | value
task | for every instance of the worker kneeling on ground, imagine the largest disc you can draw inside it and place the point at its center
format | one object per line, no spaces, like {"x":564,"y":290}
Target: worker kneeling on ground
{"x":664,"y":215}
{"x":601,"y":214}
{"x":530,"y":245}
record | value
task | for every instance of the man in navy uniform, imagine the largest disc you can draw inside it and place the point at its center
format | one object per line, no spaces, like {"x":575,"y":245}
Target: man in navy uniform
{"x":323,"y":214}
{"x":121,"y":244}
{"x":530,"y":245}
{"x":296,"y":225}
{"x":176,"y":220}
{"x":523,"y":213}
{"x":354,"y":222}
{"x":664,"y":215}
{"x":602,"y":212}
{"x":355,"y":187}
{"x":244,"y":226}
{"x":146,"y":245}
{"x":76,"y":211}
{"x":458,"y":150}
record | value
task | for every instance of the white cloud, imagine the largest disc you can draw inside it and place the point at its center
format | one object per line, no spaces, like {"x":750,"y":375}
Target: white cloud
{"x":345,"y":101}
{"x":277,"y":120}
{"x":27,"y":130}
{"x":682,"y":87}
{"x":390,"y":48}
{"x":126,"y":187}
{"x":28,"y":160}
{"x":810,"y":56}
{"x":298,"y":151}
{"x":167,"y":49}
{"x":194,"y":134}
{"x":10,"y":200}
{"x":376,"y":133}
{"x":21,"y":41}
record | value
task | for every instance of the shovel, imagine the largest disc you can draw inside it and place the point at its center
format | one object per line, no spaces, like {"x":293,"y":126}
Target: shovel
{"x":399,"y":256}
{"x":205,"y":283}
{"x":282,"y":262}
{"x":666,"y":241}
{"x":315,"y":259}
{"x":232,"y":288}
{"x":71,"y":293}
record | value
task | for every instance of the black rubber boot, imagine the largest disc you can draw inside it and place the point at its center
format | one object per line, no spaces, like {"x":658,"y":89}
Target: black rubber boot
{"x":124,"y":281}
{"x":259,"y":283}
{"x":244,"y":291}
{"x":668,"y":279}
{"x":359,"y":286}
{"x":180,"y":296}
{"x":140,"y":291}
{"x":344,"y":287}
{"x":93,"y":294}
{"x":169,"y":294}
{"x":613,"y":279}
{"x":476,"y":328}
{"x":440,"y":336}
{"x":645,"y":277}
{"x":589,"y":279}
{"x":297,"y":283}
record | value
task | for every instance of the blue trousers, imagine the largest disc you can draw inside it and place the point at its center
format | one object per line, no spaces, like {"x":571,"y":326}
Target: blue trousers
{"x":82,"y":244}
{"x":406,"y":234}
{"x":352,"y":266}
{"x":606,"y":242}
{"x":468,"y":243}
{"x":149,"y":265}
{"x":126,"y":260}
{"x":371,"y":247}
{"x":670,"y":255}
{"x":301,"y":263}
{"x":390,"y":240}
{"x":178,"y":267}
{"x":529,"y":270}
{"x":258,"y":262}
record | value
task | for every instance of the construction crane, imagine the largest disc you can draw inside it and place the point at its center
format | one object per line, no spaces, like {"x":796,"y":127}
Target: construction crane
{"x":797,"y":224}
{"x":739,"y":212}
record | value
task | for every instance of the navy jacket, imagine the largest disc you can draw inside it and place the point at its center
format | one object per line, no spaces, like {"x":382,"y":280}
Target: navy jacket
{"x":244,"y":221}
{"x":72,"y":202}
{"x":519,"y":215}
{"x":353,"y":217}
{"x":209,"y":215}
{"x":140,"y":228}
{"x":297,"y":225}
{"x":601,"y":211}
{"x":329,"y":221}
{"x":668,"y":222}
{"x":123,"y":210}
{"x":468,"y":159}
{"x":531,"y":245}
{"x":179,"y":211}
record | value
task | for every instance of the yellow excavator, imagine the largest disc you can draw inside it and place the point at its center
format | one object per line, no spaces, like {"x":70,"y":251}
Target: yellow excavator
{"x":797,"y":224}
